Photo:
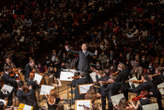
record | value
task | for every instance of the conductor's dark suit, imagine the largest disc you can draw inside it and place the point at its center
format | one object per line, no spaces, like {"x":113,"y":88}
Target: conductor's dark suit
{"x":83,"y":67}
{"x":83,"y":64}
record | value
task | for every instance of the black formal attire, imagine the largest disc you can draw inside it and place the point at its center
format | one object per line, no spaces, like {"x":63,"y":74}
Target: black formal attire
{"x":104,"y":93}
{"x":30,"y":98}
{"x":27,"y":70}
{"x":83,"y":63}
{"x":119,"y":84}
{"x":9,"y":81}
{"x":20,"y":96}
{"x":151,"y":88}
{"x":8,"y":66}
{"x":32,"y":83}
{"x":53,"y":106}
{"x":83,"y":67}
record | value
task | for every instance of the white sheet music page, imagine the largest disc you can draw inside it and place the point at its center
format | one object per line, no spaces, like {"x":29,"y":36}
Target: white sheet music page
{"x":38,"y":78}
{"x":116,"y":99}
{"x":27,"y":107}
{"x":153,"y":106}
{"x":1,"y":100}
{"x":45,"y":89}
{"x":93,"y":76}
{"x":7,"y":88}
{"x":161,"y":88}
{"x":84,"y":88}
{"x":130,"y":83}
{"x":161,"y":85}
{"x":82,"y":104}
{"x":66,"y":76}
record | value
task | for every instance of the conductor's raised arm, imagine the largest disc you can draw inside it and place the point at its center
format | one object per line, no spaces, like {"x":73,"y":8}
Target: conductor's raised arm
{"x":67,"y":48}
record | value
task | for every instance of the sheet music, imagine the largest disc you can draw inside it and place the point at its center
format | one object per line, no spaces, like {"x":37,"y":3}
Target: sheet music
{"x":38,"y":78}
{"x":116,"y":99}
{"x":6,"y":88}
{"x":81,"y":104}
{"x":45,"y":89}
{"x":130,"y":83}
{"x":153,"y":106}
{"x":66,"y":76}
{"x":161,"y":90}
{"x":161,"y":85}
{"x":73,"y":70}
{"x":70,"y":70}
{"x":93,"y":76}
{"x":1,"y":100}
{"x":84,"y":88}
{"x":27,"y":107}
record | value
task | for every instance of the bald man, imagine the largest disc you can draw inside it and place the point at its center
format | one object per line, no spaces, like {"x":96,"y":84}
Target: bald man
{"x":83,"y":67}
{"x":83,"y":64}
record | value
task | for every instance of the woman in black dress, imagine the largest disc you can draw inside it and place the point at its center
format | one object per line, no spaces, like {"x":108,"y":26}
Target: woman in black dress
{"x":52,"y":101}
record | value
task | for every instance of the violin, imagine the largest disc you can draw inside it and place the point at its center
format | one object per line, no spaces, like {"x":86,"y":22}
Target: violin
{"x":32,"y":74}
{"x":143,"y":94}
{"x":137,"y":81}
{"x":76,"y":77}
{"x":115,"y":73}
{"x":138,"y":97}
{"x":14,"y":74}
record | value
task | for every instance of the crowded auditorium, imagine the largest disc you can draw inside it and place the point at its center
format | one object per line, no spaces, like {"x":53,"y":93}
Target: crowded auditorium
{"x":81,"y":55}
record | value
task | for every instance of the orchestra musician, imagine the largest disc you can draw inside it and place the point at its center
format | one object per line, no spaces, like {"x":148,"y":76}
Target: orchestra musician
{"x":141,"y":99}
{"x":29,"y":67}
{"x":9,"y":81}
{"x":19,"y":93}
{"x":119,"y":83}
{"x":103,"y":86}
{"x":149,"y":86}
{"x":52,"y":100}
{"x":125,"y":105}
{"x":92,"y":94}
{"x":30,"y":98}
{"x":30,"y":80}
{"x":8,"y":64}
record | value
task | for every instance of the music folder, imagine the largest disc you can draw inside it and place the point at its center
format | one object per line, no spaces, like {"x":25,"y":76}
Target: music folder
{"x":83,"y":104}
{"x":83,"y":88}
{"x":66,"y":76}
{"x":116,"y":99}
{"x":153,"y":106}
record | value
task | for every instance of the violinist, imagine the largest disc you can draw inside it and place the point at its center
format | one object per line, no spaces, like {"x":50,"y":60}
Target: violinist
{"x":9,"y":81}
{"x":103,"y":92}
{"x":8,"y":64}
{"x":157,"y":76}
{"x":93,"y":95}
{"x":125,"y":105}
{"x":52,"y":100}
{"x":149,"y":86}
{"x":30,"y":80}
{"x":30,"y":98}
{"x":143,"y":99}
{"x":119,"y":83}
{"x":19,"y":93}
{"x":29,"y":67}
